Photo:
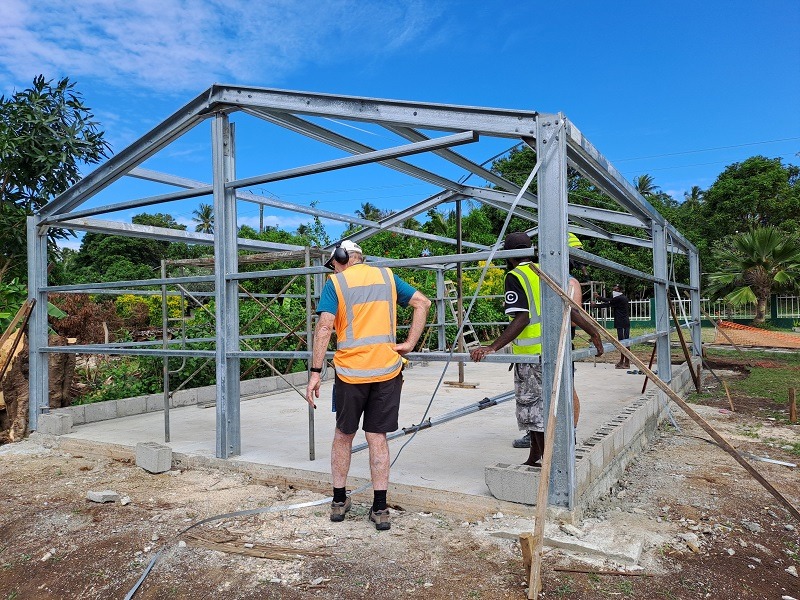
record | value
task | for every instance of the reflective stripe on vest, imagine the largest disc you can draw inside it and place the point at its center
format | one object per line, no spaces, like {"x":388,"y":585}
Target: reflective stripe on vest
{"x":365,"y":324}
{"x":573,"y":241}
{"x":530,"y":340}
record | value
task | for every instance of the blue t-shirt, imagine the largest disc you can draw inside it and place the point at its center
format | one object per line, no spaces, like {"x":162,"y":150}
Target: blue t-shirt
{"x":329,"y":301}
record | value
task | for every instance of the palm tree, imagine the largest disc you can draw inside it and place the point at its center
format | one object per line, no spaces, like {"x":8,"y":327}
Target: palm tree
{"x":694,"y":197}
{"x":753,"y":264}
{"x":204,"y":217}
{"x":645,"y":185}
{"x":370,"y":212}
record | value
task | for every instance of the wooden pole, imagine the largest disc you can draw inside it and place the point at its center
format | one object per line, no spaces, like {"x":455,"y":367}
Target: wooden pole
{"x":684,"y":346}
{"x":718,"y":328}
{"x":793,"y":405}
{"x":535,"y":577}
{"x":722,"y":442}
{"x":649,"y":366}
{"x":728,"y":394}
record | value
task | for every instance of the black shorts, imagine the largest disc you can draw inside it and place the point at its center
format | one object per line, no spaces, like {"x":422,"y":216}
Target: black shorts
{"x":379,"y":402}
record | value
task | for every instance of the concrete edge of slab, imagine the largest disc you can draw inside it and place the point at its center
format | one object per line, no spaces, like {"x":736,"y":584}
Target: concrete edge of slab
{"x":82,"y":414}
{"x":401,"y":496}
{"x":602,"y":458}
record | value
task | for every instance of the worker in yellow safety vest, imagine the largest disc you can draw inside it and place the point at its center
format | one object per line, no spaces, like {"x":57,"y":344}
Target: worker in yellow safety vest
{"x":523,"y":305}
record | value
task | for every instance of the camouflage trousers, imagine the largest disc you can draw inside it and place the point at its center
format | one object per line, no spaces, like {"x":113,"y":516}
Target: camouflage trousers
{"x":528,"y":396}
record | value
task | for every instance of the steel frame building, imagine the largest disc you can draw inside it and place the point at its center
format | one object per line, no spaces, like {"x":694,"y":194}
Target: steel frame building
{"x":425,"y":128}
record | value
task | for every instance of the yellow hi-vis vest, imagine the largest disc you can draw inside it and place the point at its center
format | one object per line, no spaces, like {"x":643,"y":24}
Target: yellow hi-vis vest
{"x":530,"y":340}
{"x":365,"y":324}
{"x":573,"y":241}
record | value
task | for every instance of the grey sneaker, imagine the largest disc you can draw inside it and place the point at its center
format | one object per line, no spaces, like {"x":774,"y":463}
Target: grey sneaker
{"x":381,"y":519}
{"x":523,"y":442}
{"x":339,"y":508}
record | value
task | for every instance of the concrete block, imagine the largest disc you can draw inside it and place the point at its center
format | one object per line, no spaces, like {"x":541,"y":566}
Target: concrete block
{"x":514,"y":483}
{"x":154,"y":402}
{"x":207,"y":393}
{"x":184,"y":398}
{"x":269,"y":384}
{"x":598,"y":462}
{"x":131,"y":406}
{"x":77,"y":413}
{"x":104,"y":496}
{"x":582,"y":475}
{"x":153,"y":457}
{"x":54,"y":423}
{"x":101,"y":411}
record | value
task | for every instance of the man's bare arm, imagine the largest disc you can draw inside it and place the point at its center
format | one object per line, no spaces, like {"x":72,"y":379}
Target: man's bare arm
{"x":322,"y":336}
{"x":421,"y":305}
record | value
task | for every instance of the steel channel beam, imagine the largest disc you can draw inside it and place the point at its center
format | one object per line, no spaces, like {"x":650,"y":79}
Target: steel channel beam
{"x":149,"y":201}
{"x":157,"y":138}
{"x":456,"y":139}
{"x":623,"y":239}
{"x":422,"y":115}
{"x":337,"y":140}
{"x":228,"y":415}
{"x":168,"y":235}
{"x":185,"y":182}
{"x":551,"y":148}
{"x":694,"y":295}
{"x":426,"y":261}
{"x":109,"y":351}
{"x":661,"y":296}
{"x":39,"y":378}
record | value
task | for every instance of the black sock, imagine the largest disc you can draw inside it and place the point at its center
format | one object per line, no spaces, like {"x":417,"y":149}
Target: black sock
{"x":379,"y":500}
{"x":339,"y":494}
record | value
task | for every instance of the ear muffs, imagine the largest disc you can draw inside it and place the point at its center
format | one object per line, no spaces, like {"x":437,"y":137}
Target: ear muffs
{"x":341,"y":255}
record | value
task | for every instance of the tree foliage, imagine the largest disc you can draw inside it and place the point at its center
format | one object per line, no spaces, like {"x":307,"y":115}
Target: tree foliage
{"x":46,"y":134}
{"x":755,"y":264}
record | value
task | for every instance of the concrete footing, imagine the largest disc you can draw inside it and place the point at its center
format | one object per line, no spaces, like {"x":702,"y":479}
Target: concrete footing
{"x":55,"y":423}
{"x":153,"y":457}
{"x":602,"y":458}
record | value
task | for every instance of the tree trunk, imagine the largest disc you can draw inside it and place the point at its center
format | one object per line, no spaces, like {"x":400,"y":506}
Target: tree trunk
{"x":761,"y":309}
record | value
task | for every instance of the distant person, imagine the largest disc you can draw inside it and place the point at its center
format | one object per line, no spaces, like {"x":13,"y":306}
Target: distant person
{"x":358,"y":303}
{"x":620,"y":309}
{"x":523,"y":300}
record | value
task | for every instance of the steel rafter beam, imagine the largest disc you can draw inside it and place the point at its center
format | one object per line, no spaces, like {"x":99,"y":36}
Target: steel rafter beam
{"x":110,"y":208}
{"x":168,"y":235}
{"x":422,"y":115}
{"x":456,"y":139}
{"x":157,"y":138}
{"x":185,"y":182}
{"x":337,"y":140}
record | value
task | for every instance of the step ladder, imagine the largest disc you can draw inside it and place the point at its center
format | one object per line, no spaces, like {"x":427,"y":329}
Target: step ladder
{"x":470,"y":336}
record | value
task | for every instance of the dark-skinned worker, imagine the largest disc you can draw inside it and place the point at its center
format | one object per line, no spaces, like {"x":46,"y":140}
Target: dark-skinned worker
{"x":358,"y":303}
{"x":620,"y":309}
{"x":523,"y":304}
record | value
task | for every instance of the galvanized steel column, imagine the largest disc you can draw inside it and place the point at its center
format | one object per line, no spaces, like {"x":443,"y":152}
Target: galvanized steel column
{"x":441,"y":313}
{"x":39,"y":376}
{"x":226,"y":290}
{"x":551,"y":150}
{"x":694,"y":295}
{"x":662,"y":315}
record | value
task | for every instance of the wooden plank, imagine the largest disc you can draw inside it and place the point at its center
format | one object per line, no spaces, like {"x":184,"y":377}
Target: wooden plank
{"x":535,"y":579}
{"x":722,"y":442}
{"x":718,"y":328}
{"x":23,"y":313}
{"x":649,"y":366}
{"x":792,"y":405}
{"x":683,"y":346}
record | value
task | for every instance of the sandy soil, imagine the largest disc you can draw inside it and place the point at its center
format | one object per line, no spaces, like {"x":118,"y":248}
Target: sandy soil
{"x":707,"y":529}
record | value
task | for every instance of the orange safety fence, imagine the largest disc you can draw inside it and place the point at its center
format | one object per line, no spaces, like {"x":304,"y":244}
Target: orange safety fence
{"x":743,"y":335}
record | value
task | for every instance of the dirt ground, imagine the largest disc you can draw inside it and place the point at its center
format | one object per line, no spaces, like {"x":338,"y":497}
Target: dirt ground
{"x":709,"y":531}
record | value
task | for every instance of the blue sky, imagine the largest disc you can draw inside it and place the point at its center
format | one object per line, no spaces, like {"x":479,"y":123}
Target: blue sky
{"x":678,"y":90}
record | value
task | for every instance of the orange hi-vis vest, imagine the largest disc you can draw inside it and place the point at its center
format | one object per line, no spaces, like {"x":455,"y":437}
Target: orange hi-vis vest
{"x":365,"y":324}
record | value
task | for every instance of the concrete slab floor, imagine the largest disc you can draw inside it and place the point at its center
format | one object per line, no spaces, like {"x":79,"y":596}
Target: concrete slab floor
{"x":451,"y":456}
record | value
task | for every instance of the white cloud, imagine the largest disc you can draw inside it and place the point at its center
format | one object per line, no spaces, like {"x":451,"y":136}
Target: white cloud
{"x":179,"y":45}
